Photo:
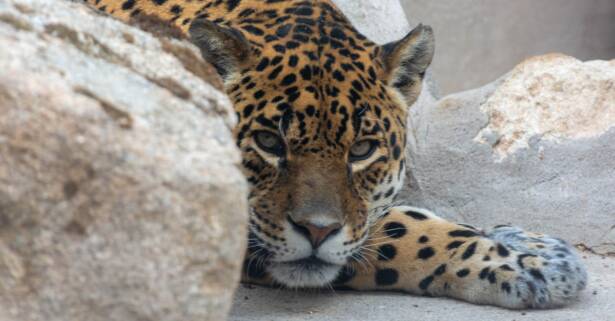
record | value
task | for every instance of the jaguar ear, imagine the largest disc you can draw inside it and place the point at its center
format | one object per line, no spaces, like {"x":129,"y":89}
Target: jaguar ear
{"x":225,"y":48}
{"x":406,"y":60}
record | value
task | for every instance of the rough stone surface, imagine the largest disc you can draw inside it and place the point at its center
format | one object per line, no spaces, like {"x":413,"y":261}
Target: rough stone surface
{"x":597,"y":303}
{"x":555,"y":96}
{"x":533,"y":149}
{"x":120,"y":193}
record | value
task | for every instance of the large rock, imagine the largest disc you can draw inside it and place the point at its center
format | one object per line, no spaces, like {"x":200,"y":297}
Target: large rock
{"x":535,"y":148}
{"x":120,"y":193}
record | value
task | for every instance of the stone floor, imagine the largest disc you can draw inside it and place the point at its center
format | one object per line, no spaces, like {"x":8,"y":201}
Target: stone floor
{"x":597,"y":303}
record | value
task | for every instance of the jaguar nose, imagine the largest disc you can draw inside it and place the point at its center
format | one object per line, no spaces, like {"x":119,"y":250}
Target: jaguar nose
{"x":315,"y":233}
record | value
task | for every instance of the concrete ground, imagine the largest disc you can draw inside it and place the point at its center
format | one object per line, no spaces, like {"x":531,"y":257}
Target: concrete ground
{"x":597,"y":303}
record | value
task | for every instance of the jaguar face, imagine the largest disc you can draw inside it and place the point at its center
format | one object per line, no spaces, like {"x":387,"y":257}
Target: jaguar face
{"x":320,"y":165}
{"x":321,"y":127}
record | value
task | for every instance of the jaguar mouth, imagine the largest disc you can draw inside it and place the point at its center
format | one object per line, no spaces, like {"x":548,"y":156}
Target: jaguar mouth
{"x":309,"y":263}
{"x":306,"y":272}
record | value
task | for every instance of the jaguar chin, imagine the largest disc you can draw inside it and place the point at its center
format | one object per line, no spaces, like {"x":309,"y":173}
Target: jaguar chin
{"x":310,"y":272}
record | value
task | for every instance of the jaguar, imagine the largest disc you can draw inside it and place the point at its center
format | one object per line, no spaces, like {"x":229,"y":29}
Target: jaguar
{"x":321,"y":125}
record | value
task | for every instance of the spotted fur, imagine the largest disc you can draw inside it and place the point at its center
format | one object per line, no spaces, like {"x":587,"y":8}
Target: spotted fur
{"x":322,"y":129}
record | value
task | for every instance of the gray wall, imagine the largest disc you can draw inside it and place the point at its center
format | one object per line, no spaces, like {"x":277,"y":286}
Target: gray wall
{"x":479,"y":40}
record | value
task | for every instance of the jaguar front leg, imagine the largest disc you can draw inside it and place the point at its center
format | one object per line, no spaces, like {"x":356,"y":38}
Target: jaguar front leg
{"x":415,"y":251}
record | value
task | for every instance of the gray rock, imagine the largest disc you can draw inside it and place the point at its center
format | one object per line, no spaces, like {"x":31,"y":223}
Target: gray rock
{"x":121,"y":196}
{"x":535,"y":148}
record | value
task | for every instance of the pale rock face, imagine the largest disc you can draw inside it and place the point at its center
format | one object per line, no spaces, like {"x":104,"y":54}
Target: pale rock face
{"x":121,"y":196}
{"x":534,"y":148}
{"x":554,"y":96}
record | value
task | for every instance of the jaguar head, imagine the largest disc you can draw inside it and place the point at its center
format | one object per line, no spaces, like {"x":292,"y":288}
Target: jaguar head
{"x":321,"y":126}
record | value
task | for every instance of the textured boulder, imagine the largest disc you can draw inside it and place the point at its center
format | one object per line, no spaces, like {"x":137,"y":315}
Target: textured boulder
{"x":120,"y":193}
{"x":536,"y":149}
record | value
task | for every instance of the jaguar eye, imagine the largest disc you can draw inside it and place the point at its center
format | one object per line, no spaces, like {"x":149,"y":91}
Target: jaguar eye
{"x":269,"y":142}
{"x":362,"y":150}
